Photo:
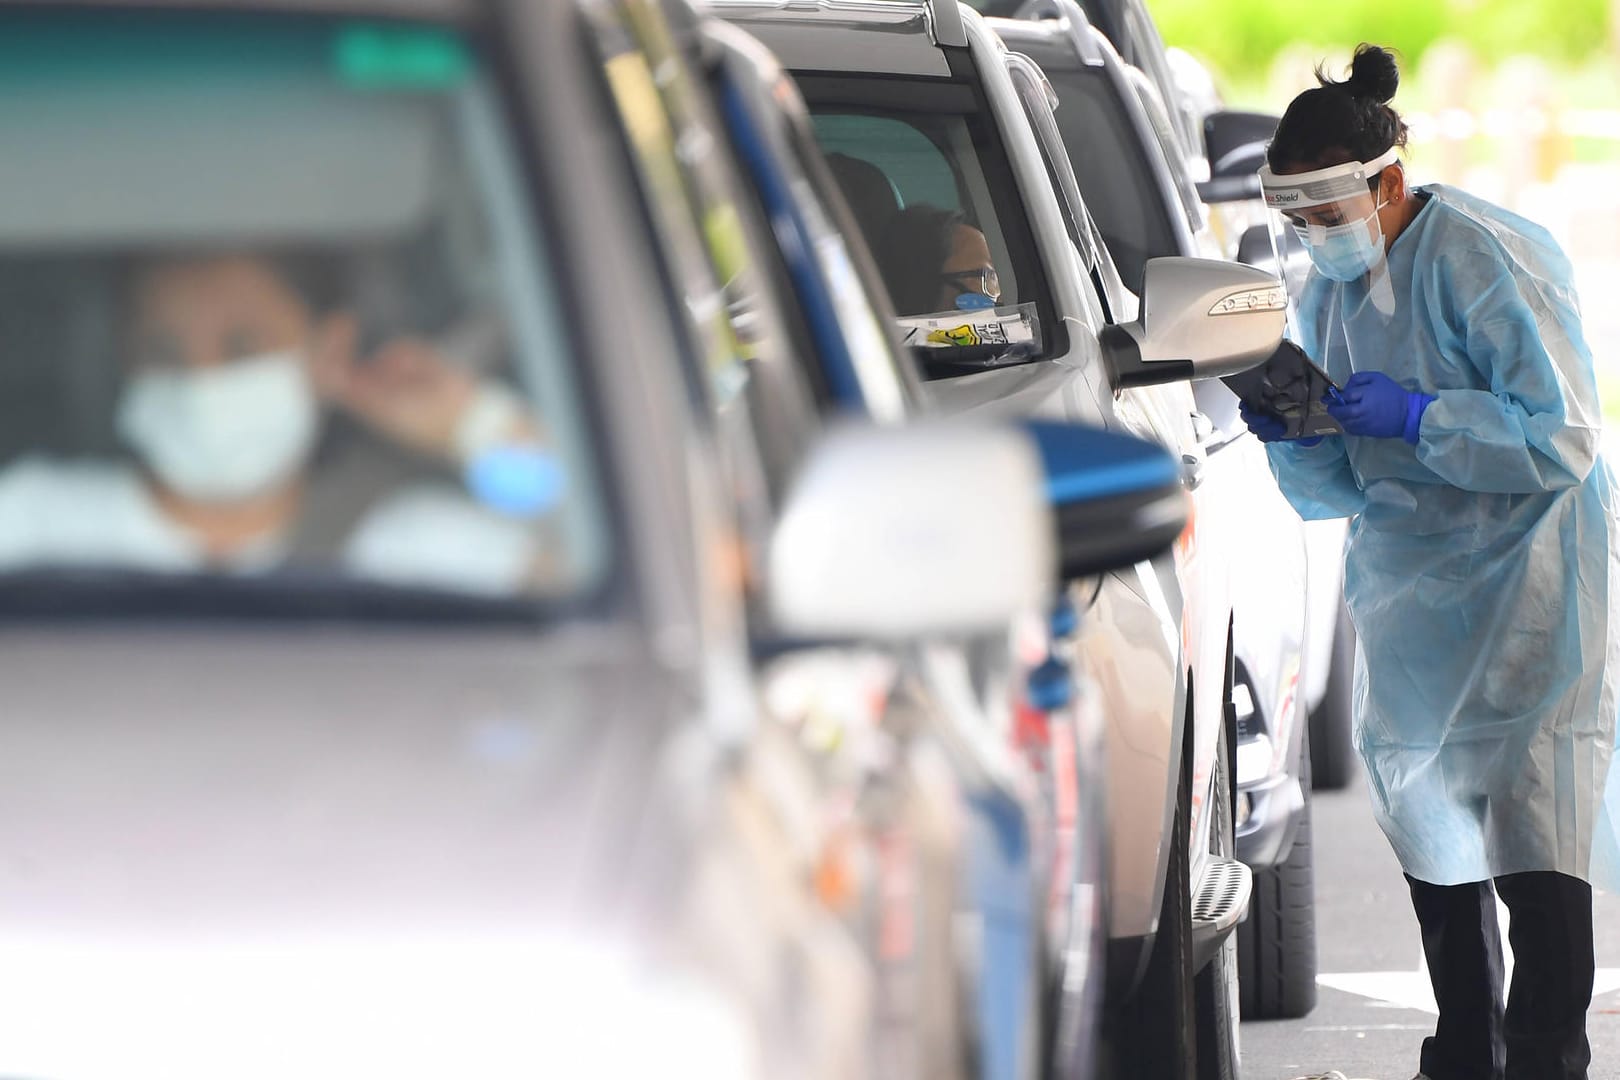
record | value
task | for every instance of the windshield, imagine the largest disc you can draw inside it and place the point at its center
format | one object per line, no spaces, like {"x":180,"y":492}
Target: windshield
{"x":931,"y":190}
{"x":273,"y":319}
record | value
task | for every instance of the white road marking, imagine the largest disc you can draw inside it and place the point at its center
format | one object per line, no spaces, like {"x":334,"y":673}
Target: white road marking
{"x":1412,"y":990}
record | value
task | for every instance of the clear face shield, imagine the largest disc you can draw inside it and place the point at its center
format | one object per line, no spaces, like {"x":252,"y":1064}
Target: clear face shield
{"x":1327,"y":220}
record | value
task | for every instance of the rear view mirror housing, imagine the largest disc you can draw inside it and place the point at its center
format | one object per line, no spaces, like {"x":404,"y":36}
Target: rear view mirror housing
{"x":895,"y":533}
{"x":1242,"y":187}
{"x":1116,"y":499}
{"x":1201,"y":319}
{"x":1231,"y":137}
{"x":1256,"y":248}
{"x":953,"y":527}
{"x":1236,"y":145}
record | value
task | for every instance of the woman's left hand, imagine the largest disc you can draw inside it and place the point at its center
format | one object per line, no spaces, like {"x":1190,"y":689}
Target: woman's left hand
{"x":1376,"y":406}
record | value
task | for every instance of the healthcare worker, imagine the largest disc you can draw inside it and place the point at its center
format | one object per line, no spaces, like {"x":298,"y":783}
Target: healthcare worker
{"x":1480,"y":570}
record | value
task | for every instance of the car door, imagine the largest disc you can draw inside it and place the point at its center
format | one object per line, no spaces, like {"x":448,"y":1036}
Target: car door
{"x":968,"y":697}
{"x":1168,"y":414}
{"x":905,"y":763}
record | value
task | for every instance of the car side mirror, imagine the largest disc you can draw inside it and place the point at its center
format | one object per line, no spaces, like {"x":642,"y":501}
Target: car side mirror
{"x":1230,"y":136}
{"x":1255,"y":248}
{"x":1236,"y":145}
{"x":954,"y":527}
{"x":1242,"y":186}
{"x":900,"y":532}
{"x":1201,"y":319}
{"x":1117,"y":499}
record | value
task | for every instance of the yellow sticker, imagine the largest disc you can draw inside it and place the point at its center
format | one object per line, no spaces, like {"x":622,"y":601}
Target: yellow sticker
{"x":956,"y":335}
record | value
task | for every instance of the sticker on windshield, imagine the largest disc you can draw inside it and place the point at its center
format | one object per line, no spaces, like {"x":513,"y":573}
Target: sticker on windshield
{"x":997,"y":335}
{"x":378,"y":57}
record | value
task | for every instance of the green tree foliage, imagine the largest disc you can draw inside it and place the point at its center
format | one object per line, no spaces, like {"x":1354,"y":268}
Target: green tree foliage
{"x":1244,"y":35}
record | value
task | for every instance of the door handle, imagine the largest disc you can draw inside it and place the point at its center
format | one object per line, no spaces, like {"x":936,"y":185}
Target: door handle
{"x":1192,"y":470}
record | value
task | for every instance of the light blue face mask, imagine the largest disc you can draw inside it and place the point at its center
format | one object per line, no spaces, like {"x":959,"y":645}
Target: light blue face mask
{"x":974,"y":301}
{"x":1345,"y":252}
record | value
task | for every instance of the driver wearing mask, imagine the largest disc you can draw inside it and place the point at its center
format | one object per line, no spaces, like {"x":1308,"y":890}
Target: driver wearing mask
{"x":229,"y":369}
{"x":932,"y":260}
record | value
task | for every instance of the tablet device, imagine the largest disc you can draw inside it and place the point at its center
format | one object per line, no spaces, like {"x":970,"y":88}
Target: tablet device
{"x":1291,"y":388}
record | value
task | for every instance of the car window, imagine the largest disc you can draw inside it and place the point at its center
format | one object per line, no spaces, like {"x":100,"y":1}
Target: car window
{"x":916,"y":168}
{"x":1034,"y":96}
{"x":828,"y":292}
{"x":275,"y":316}
{"x":921,"y":172}
{"x":1114,"y":172}
{"x":929,"y":185}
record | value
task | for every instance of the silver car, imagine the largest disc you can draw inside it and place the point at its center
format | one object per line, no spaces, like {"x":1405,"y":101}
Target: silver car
{"x":1137,"y":181}
{"x":379,"y":576}
{"x":921,"y":107}
{"x":463,"y":674}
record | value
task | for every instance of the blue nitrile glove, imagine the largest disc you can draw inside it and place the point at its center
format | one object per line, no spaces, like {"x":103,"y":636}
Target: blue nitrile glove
{"x":1268,"y":428}
{"x":1376,"y":406}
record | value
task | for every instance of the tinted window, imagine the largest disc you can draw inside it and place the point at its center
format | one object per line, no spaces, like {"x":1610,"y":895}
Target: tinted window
{"x":931,"y":189}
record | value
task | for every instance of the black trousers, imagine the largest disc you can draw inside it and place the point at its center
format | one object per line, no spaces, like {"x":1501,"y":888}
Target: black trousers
{"x":1541,"y":1034}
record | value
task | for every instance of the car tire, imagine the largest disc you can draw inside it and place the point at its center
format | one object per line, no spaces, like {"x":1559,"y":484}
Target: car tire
{"x":1216,"y":997}
{"x":1277,"y":943}
{"x":1150,"y":1035}
{"x":1333,"y":752}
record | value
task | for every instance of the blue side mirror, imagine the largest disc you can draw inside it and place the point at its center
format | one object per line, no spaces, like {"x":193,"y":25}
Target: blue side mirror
{"x":1117,"y":499}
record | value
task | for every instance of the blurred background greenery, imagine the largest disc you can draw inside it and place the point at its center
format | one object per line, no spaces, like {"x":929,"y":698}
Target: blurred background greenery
{"x":1515,"y":100}
{"x":1241,"y":40}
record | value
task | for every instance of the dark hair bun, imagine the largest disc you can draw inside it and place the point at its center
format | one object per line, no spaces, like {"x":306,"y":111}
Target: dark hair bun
{"x":1372,"y":74}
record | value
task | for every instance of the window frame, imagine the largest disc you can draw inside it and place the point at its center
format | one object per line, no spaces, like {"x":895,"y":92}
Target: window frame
{"x":964,"y":98}
{"x":295,"y":595}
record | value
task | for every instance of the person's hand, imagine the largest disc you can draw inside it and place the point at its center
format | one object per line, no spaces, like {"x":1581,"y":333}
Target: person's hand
{"x":1266,"y":428}
{"x":1270,"y":429}
{"x":1375,"y":406}
{"x":406,"y":392}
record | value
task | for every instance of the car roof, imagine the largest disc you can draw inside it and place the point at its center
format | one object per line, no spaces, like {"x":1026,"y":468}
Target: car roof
{"x":878,"y":36}
{"x":1052,"y":43}
{"x":439,"y":10}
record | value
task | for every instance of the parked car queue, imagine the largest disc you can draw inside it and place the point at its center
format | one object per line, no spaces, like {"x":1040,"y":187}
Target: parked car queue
{"x":561,"y":596}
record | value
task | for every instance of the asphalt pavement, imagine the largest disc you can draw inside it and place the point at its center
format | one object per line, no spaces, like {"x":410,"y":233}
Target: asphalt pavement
{"x":1374,"y":1005}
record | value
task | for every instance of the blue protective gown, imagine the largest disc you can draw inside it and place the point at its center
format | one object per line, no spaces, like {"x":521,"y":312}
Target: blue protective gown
{"x":1481,"y":570}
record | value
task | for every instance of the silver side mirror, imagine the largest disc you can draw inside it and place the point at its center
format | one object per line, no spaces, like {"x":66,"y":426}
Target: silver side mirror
{"x":900,"y":532}
{"x":1201,"y":319}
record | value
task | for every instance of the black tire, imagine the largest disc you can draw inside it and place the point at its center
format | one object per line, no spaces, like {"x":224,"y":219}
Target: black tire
{"x":1215,"y":988}
{"x":1277,"y":943}
{"x":1333,"y":752}
{"x":1149,"y":1035}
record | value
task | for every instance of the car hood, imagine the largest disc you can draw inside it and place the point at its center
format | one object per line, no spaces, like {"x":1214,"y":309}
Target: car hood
{"x":208,"y":839}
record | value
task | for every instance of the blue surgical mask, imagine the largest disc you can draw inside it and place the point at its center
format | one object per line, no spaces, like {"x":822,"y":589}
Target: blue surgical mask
{"x":1345,"y":252}
{"x":974,"y":301}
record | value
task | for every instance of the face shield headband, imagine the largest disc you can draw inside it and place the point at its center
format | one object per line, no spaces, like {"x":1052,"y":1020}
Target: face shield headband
{"x":1337,"y":183}
{"x":1330,"y":215}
